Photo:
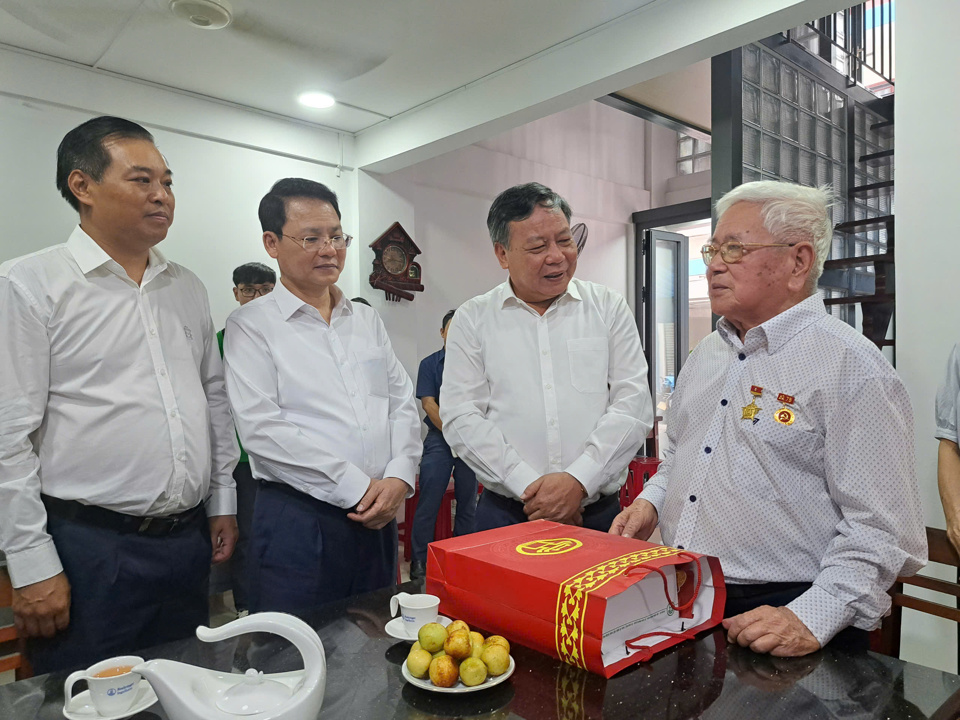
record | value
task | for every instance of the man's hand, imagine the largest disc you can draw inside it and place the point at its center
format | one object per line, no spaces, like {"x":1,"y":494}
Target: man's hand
{"x":223,"y":536}
{"x":638,"y":521}
{"x":554,"y":496}
{"x":380,"y":503}
{"x":43,"y":608}
{"x":774,"y":630}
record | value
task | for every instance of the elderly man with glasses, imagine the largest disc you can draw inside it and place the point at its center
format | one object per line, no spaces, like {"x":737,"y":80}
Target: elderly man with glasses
{"x":791,"y":440}
{"x":325,"y":412}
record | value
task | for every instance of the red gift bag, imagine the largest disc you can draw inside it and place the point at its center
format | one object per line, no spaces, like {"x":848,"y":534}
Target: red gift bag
{"x":596,"y":601}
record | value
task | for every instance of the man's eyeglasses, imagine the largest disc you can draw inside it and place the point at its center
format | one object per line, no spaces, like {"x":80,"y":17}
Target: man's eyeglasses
{"x":314,"y":242}
{"x":252,"y":292}
{"x":732,"y":251}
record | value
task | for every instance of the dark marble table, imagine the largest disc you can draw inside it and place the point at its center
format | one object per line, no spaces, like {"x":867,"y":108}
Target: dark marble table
{"x":705,"y":678}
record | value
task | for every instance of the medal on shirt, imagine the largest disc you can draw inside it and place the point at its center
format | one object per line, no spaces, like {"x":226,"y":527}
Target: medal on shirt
{"x":785,"y":415}
{"x":750,"y":411}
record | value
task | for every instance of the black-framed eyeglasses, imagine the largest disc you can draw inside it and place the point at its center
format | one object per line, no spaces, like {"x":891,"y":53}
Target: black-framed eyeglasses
{"x":733,"y":250}
{"x":315,"y":242}
{"x":252,"y":292}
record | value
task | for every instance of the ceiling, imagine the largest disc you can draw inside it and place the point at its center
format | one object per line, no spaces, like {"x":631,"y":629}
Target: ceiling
{"x":379,"y":58}
{"x":683,"y":95}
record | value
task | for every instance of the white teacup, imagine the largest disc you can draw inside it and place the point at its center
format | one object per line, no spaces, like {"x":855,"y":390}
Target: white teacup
{"x":113,"y":685}
{"x":416,"y":610}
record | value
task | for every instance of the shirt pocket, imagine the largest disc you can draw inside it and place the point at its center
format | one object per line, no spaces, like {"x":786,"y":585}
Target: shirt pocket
{"x":588,"y":364}
{"x":791,"y":457}
{"x":372,"y":364}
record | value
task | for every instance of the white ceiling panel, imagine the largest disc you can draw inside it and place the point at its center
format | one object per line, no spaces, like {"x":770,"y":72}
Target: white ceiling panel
{"x":379,"y":59}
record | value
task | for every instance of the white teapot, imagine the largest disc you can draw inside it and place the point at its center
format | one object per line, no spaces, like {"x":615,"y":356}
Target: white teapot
{"x":187,"y":692}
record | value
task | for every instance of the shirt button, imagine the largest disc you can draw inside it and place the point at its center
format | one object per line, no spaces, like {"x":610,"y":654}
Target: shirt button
{"x":182,"y":456}
{"x":679,"y":547}
{"x":742,"y":356}
{"x":693,"y":498}
{"x":708,"y":450}
{"x":163,"y":372}
{"x":173,"y":413}
{"x":153,"y":331}
{"x":549,"y":387}
{"x":723,"y":402}
{"x":553,"y":422}
{"x":363,"y":427}
{"x":546,"y":352}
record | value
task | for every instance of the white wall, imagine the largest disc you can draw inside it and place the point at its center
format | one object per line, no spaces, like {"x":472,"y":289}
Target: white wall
{"x":224,"y":159}
{"x":928,"y":291}
{"x":591,"y":154}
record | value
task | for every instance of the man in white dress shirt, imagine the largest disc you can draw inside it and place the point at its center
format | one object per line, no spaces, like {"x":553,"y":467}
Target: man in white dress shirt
{"x":116,"y":441}
{"x":791,"y":440}
{"x":545,"y":389}
{"x":325,"y":412}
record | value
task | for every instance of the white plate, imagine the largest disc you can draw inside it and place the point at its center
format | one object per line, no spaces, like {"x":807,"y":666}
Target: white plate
{"x":425,"y":683}
{"x":80,"y":707}
{"x":395,"y":628}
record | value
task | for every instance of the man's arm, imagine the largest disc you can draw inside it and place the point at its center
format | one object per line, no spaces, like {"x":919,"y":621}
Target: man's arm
{"x":380,"y":503}
{"x":948,"y":480}
{"x":629,"y":416}
{"x":948,"y":456}
{"x":432,"y":409}
{"x":288,"y":450}
{"x":870,"y":475}
{"x":465,"y":426}
{"x":41,"y":597}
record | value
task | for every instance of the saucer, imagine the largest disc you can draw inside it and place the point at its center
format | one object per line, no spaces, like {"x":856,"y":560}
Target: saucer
{"x":81,"y":706}
{"x":425,"y":684}
{"x":396,"y":629}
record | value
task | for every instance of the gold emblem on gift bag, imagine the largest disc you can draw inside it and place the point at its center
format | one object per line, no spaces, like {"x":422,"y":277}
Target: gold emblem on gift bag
{"x":572,"y":598}
{"x":551,"y":546}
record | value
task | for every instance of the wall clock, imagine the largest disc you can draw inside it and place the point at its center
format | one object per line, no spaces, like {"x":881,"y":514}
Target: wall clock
{"x":394,"y":270}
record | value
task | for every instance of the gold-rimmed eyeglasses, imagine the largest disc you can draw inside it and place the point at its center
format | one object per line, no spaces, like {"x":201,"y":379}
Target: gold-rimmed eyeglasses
{"x":315,"y":242}
{"x":733,"y":250}
{"x":252,"y":292}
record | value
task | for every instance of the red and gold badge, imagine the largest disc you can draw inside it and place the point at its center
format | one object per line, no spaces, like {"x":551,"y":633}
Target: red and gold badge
{"x":784,"y":416}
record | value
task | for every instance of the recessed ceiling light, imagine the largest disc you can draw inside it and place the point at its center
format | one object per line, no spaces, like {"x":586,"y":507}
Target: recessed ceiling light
{"x":317,"y":100}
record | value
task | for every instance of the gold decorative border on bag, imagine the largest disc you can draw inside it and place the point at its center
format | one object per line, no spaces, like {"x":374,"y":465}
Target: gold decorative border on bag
{"x":574,"y":592}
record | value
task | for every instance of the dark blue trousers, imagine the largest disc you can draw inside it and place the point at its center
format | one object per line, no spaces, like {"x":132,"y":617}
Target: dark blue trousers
{"x":306,"y":553}
{"x":435,"y":467}
{"x":128,"y":592}
{"x":495,"y":511}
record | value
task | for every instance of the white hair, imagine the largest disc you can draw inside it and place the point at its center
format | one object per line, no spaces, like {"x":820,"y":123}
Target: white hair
{"x":791,"y":213}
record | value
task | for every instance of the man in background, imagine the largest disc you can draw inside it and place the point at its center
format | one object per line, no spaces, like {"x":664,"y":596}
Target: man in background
{"x":545,"y":382}
{"x":326,"y":415}
{"x":250,"y":281}
{"x":116,"y":444}
{"x":437,"y":464}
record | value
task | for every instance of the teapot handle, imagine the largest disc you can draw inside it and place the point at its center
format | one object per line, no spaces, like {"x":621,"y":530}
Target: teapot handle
{"x":395,"y":602}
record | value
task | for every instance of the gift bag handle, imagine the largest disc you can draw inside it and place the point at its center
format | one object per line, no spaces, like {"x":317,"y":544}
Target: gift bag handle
{"x":666,"y":589}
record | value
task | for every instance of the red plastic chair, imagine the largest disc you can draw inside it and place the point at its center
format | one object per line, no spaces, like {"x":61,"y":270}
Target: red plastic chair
{"x":441,"y":531}
{"x":639,"y":471}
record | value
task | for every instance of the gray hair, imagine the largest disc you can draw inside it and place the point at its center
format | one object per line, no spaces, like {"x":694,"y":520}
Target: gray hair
{"x":518,"y":203}
{"x":791,"y":213}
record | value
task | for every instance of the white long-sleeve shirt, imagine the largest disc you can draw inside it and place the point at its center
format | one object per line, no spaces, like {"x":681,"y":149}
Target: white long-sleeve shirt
{"x":525,"y":395}
{"x":947,"y":412}
{"x":110,"y":394}
{"x":830,"y":498}
{"x":322,"y":407}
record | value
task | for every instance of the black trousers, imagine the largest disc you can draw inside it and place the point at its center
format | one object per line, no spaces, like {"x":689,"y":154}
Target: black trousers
{"x":495,"y":511}
{"x":305,"y":553}
{"x":741,"y":598}
{"x":128,"y":592}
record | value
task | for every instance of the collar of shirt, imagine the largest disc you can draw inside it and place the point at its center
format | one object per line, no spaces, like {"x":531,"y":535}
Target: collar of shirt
{"x":776,"y":331}
{"x":290,"y":303}
{"x":89,"y":256}
{"x":508,"y":295}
